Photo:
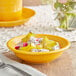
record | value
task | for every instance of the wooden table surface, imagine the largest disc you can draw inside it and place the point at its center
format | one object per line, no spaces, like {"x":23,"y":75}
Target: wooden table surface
{"x":72,"y":52}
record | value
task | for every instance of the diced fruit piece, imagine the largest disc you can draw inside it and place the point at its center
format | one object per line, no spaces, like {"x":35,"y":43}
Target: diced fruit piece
{"x":17,"y":47}
{"x":25,"y":44}
{"x":34,"y":50}
{"x":27,"y":37}
{"x":48,"y":43}
{"x":27,"y":48}
{"x":37,"y":39}
{"x":32,"y":44}
{"x":51,"y":43}
{"x":39,"y":46}
{"x":44,"y":41}
{"x":32,"y":39}
{"x":40,"y":39}
{"x":43,"y":50}
{"x":57,"y":46}
{"x":40,"y":50}
{"x":49,"y":48}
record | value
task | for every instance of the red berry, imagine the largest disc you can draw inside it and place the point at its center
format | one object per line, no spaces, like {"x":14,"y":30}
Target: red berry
{"x":38,"y":44}
{"x":25,"y":44}
{"x":17,"y":47}
{"x":37,"y":40}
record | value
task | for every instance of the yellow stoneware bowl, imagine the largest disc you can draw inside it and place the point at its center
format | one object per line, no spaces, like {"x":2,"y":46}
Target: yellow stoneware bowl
{"x":26,"y":15}
{"x":39,"y":57}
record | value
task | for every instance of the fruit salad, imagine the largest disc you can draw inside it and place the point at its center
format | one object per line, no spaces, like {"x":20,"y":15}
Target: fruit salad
{"x":31,"y":43}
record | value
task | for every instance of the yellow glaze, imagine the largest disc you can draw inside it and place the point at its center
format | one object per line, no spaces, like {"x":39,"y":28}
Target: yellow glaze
{"x":39,"y":57}
{"x":10,"y":9}
{"x":26,"y":15}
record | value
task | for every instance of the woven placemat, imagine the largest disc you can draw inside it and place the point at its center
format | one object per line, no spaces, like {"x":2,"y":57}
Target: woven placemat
{"x":60,"y":67}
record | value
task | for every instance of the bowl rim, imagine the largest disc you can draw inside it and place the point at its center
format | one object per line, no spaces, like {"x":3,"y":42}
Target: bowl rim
{"x":38,"y":53}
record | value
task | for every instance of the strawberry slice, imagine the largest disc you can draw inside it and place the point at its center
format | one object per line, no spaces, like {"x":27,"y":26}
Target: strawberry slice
{"x":37,"y":39}
{"x":25,"y":44}
{"x":17,"y":47}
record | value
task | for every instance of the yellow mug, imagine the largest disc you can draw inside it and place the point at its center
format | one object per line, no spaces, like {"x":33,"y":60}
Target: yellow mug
{"x":10,"y":10}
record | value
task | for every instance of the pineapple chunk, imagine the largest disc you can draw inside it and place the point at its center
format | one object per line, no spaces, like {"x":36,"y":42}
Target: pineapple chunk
{"x":27,"y":37}
{"x":39,"y":46}
{"x":48,"y":44}
{"x":27,"y":48}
